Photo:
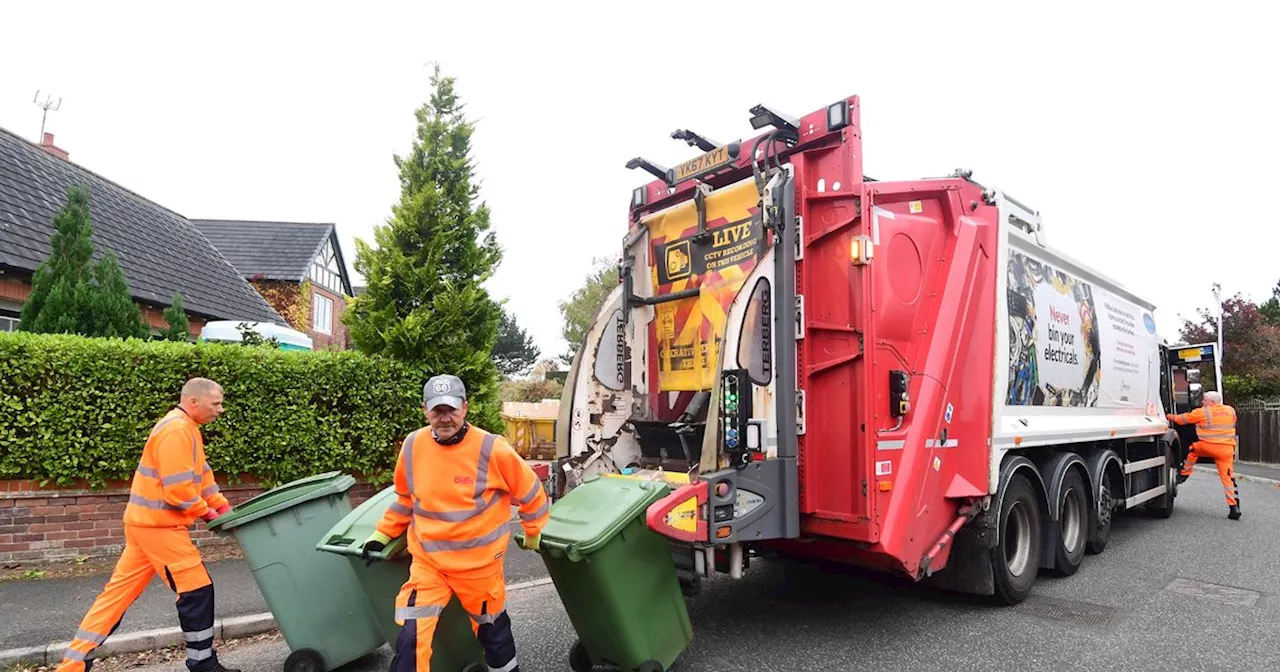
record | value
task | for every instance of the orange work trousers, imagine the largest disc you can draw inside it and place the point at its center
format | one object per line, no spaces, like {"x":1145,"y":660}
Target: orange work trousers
{"x":1224,"y":454}
{"x":148,"y":552}
{"x":423,"y":598}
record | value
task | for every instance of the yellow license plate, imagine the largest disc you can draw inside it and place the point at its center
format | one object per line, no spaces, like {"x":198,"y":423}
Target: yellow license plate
{"x":712,"y":160}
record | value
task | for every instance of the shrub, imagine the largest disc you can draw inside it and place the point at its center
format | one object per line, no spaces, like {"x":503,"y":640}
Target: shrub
{"x":81,"y":408}
{"x":531,"y":391}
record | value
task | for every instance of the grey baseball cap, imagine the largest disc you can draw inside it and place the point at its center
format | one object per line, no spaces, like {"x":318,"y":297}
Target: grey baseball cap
{"x":444,"y":391}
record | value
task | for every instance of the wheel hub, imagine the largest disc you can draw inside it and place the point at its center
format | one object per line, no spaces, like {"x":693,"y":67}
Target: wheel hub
{"x":1017,"y":544}
{"x":1071,"y":526}
{"x":1104,"y":506}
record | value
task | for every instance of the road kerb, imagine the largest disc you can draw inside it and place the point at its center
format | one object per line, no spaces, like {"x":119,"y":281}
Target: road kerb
{"x":236,"y":627}
{"x":512,"y":587}
{"x":32,"y":655}
{"x":143,"y":640}
{"x":1244,"y":477}
{"x":232,"y":627}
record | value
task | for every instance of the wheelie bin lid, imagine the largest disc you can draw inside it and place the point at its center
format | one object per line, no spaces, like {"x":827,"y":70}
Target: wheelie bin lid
{"x":349,"y":534}
{"x":587,"y":518}
{"x":283,"y":497}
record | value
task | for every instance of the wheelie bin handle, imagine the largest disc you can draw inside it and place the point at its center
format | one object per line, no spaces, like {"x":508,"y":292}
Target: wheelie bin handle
{"x":556,"y":545}
{"x":348,"y":546}
{"x":565,"y":549}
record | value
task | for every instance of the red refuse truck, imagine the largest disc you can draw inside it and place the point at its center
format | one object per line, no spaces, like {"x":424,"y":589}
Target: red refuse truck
{"x":903,"y":376}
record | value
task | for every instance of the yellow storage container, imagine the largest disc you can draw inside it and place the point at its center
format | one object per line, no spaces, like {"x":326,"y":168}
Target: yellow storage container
{"x":531,"y":428}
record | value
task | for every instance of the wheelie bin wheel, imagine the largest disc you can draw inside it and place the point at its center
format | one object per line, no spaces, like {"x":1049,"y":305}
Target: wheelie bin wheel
{"x":650,"y":666}
{"x":579,"y":661}
{"x":304,"y":660}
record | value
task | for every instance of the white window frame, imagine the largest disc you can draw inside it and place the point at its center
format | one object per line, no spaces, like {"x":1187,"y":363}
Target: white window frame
{"x":325,"y":326}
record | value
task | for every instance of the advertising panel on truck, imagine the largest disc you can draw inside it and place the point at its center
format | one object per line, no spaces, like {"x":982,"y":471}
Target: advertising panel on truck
{"x":1080,"y":355}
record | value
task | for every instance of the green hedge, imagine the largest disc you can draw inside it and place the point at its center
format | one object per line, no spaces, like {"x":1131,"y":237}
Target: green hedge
{"x":81,"y":408}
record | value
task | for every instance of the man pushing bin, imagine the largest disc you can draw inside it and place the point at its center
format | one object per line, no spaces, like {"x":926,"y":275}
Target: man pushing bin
{"x":454,"y":486}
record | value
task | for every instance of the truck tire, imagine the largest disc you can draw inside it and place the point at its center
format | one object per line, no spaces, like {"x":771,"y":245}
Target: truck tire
{"x":1101,"y":514}
{"x":1015,"y":561}
{"x":1073,"y":519}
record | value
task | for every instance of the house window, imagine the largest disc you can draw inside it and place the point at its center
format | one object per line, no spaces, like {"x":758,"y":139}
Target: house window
{"x":324,"y":269}
{"x":322,"y":313}
{"x":8,"y":323}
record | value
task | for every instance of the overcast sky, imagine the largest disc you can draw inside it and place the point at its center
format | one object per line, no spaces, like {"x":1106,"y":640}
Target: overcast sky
{"x":1146,"y":134}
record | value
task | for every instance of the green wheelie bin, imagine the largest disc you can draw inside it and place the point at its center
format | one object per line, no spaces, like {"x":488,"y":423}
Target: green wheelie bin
{"x":316,"y":599}
{"x":454,"y":647}
{"x":615,"y":577}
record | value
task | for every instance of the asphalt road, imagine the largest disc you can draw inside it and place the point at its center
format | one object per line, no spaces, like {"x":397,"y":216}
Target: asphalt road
{"x":41,"y":611}
{"x":1137,"y":607}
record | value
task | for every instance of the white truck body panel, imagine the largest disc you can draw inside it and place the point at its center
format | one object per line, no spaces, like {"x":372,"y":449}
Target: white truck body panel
{"x":1082,"y":351}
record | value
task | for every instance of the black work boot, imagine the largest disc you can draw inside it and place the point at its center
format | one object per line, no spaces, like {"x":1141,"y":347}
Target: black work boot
{"x":1234,"y":513}
{"x":217,"y":667}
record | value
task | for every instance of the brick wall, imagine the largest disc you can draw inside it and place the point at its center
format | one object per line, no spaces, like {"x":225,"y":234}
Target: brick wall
{"x":17,"y":288}
{"x":337,"y":340}
{"x":47,"y":524}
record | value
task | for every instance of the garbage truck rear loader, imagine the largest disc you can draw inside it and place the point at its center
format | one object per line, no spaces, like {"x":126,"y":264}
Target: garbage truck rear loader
{"x":896,"y":375}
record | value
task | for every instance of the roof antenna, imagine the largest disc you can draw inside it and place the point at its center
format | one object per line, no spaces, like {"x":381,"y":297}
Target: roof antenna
{"x":47,"y":105}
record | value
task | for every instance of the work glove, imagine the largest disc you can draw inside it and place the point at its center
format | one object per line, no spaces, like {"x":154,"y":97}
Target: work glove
{"x":374,"y":544}
{"x":213,"y":514}
{"x":531,"y":542}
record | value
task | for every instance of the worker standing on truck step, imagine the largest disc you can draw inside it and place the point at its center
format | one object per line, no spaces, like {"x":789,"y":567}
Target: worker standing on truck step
{"x":1216,"y":430}
{"x":172,"y":487}
{"x":455,"y":484}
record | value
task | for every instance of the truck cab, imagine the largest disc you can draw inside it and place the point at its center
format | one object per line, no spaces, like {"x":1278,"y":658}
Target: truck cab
{"x":1183,"y":383}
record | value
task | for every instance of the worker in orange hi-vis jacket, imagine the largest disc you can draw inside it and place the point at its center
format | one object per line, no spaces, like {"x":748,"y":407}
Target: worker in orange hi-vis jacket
{"x":172,"y":488}
{"x":455,"y":484}
{"x":1216,"y":433}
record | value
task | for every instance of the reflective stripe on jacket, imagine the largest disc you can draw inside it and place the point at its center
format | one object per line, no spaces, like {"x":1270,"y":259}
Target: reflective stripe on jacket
{"x":1214,"y":424}
{"x":455,"y":501}
{"x":173,"y":485}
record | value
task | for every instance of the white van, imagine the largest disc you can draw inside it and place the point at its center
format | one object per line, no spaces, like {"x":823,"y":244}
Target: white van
{"x":227,"y":331}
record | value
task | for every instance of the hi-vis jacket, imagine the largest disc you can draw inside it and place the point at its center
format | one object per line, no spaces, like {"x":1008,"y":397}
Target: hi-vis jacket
{"x":173,"y":485}
{"x":1214,"y":424}
{"x":455,"y":501}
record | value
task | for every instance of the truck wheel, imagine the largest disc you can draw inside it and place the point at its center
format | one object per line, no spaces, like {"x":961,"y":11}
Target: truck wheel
{"x":1073,"y":517}
{"x":1100,"y":515}
{"x":579,"y":661}
{"x":1015,"y":561}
